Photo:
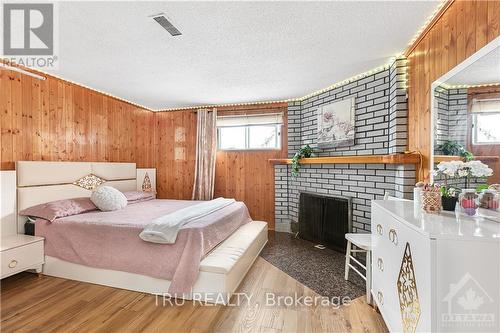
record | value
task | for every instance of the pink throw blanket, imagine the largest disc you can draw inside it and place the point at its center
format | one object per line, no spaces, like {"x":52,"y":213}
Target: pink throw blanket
{"x":111,"y":240}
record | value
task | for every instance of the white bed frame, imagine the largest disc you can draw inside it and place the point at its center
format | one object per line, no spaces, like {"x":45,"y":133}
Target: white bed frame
{"x":221,"y":271}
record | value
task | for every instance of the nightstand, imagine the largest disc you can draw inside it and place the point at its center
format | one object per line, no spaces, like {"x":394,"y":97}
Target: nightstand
{"x":20,"y":253}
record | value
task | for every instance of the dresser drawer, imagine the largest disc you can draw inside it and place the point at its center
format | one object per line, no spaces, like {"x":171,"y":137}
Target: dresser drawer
{"x":395,"y":245}
{"x":21,"y":258}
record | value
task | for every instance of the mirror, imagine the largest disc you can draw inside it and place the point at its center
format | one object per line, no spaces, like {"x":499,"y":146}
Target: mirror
{"x":466,"y":111}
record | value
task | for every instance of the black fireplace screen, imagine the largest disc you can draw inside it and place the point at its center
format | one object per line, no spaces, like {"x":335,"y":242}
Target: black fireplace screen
{"x":325,"y":219}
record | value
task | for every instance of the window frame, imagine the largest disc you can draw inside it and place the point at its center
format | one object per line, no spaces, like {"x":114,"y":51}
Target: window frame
{"x":278,"y":141}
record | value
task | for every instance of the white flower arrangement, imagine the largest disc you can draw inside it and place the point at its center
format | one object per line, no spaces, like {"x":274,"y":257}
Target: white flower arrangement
{"x":460,"y":169}
{"x":478,"y":169}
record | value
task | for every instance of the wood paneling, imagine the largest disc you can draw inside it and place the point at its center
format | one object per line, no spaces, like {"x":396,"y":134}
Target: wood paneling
{"x":244,"y":175}
{"x":54,"y":120}
{"x":175,"y":153}
{"x":247,"y":175}
{"x":463,"y":29}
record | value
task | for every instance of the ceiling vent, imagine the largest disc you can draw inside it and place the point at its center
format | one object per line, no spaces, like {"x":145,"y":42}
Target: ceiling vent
{"x":166,"y":24}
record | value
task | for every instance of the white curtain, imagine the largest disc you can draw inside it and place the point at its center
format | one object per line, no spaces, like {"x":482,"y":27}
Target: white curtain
{"x":206,"y":152}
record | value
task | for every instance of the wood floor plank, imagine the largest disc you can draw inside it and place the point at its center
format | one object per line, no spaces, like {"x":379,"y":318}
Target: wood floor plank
{"x":47,"y":304}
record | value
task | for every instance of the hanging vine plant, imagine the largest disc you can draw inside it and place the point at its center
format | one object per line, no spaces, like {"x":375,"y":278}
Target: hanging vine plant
{"x":303,"y":152}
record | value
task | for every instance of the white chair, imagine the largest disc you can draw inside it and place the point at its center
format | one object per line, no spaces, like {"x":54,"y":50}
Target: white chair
{"x":363,"y":242}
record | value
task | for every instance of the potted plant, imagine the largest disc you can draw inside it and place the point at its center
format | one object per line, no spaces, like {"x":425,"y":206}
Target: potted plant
{"x":449,"y":197}
{"x":453,"y":148}
{"x":303,"y":152}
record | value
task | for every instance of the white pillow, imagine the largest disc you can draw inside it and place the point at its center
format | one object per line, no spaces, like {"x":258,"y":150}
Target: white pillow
{"x":107,"y":198}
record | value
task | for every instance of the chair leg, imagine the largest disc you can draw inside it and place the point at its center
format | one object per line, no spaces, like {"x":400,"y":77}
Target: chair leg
{"x":347,"y":258}
{"x":368,"y":277}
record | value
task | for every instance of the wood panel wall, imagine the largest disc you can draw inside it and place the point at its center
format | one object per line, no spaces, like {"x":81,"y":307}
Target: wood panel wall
{"x":244,"y":175}
{"x":175,"y":153}
{"x":54,"y":120}
{"x":247,"y":175}
{"x":463,"y":29}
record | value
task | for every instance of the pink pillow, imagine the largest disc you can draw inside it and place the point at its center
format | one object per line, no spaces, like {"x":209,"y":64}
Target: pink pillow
{"x":52,"y":210}
{"x":138,"y":196}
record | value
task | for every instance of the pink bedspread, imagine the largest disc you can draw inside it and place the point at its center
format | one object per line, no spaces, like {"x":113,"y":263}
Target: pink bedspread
{"x":111,"y":240}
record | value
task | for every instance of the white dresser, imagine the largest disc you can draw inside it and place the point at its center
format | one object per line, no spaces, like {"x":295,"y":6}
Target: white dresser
{"x":435,"y":273}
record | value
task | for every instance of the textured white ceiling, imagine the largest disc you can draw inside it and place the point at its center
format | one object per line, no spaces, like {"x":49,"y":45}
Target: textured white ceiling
{"x":230,"y":51}
{"x":485,"y":70}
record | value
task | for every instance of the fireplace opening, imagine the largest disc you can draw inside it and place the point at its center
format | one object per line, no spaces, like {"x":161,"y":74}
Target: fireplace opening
{"x":325,"y":219}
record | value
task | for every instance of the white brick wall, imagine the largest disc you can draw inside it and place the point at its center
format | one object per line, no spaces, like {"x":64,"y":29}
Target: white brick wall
{"x":450,"y":120}
{"x":362,"y":182}
{"x":381,"y":118}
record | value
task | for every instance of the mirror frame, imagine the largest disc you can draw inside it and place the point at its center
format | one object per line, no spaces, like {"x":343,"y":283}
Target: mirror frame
{"x":455,"y":70}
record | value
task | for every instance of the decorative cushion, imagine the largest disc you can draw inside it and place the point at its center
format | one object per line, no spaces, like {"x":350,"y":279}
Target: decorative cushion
{"x":51,"y":210}
{"x":107,"y":198}
{"x":138,"y":196}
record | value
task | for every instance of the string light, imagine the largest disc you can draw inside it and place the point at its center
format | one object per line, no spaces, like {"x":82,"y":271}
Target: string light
{"x":466,"y":86}
{"x":6,"y":62}
{"x":224,"y":105}
{"x":427,"y":22}
{"x":298,"y":99}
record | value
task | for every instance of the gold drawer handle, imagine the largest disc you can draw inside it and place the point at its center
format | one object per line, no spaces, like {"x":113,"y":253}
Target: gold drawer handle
{"x":393,"y":236}
{"x":13,"y":264}
{"x":380,"y":264}
{"x":380,"y":298}
{"x":379,"y":229}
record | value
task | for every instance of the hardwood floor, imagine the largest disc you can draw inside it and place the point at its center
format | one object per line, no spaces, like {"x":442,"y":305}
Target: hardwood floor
{"x":43,"y":304}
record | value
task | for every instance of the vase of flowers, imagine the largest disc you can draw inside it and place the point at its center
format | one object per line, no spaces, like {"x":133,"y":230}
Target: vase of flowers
{"x":459,"y":170}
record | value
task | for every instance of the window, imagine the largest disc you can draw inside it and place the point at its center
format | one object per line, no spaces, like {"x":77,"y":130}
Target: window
{"x":249,"y":132}
{"x":486,"y":121}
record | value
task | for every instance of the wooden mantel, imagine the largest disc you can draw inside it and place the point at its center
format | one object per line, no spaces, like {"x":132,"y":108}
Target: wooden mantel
{"x":411,"y":158}
{"x":447,"y":158}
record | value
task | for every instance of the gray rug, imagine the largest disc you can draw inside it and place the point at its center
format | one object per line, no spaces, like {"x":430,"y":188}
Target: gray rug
{"x":320,"y":270}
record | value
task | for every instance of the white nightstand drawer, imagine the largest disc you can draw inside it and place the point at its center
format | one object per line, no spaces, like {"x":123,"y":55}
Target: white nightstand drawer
{"x":21,"y":258}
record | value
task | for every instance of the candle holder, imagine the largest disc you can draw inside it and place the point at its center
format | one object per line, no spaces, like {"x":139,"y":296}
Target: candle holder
{"x":431,"y":202}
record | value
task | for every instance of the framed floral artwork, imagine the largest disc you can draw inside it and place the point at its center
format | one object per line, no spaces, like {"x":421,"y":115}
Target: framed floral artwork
{"x":336,"y":124}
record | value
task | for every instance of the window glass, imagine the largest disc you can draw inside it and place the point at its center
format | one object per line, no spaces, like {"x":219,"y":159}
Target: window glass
{"x":232,"y":137}
{"x":263,"y":137}
{"x":487,"y":128}
{"x":249,"y":137}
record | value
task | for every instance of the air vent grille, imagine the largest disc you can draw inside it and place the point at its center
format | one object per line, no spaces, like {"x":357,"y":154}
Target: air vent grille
{"x":167,"y":25}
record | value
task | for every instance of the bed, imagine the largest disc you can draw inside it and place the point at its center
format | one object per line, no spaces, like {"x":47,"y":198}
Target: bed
{"x":104,"y":247}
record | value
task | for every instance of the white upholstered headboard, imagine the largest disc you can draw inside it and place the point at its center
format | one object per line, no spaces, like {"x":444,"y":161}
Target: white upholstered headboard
{"x":40,"y":182}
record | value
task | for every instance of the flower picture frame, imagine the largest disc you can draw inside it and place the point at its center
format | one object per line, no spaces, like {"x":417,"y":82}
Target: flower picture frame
{"x":336,"y":124}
